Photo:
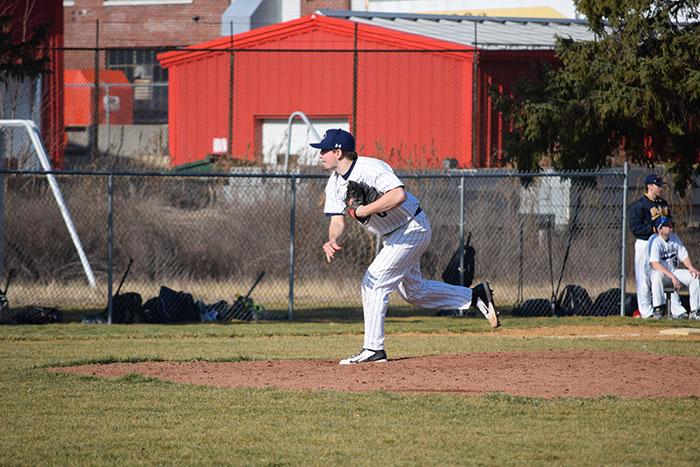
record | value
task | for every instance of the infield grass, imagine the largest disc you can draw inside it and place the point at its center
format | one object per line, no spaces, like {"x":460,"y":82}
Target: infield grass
{"x":51,"y":418}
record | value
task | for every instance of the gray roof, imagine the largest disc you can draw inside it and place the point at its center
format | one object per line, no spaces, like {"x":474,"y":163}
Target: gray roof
{"x":491,"y":32}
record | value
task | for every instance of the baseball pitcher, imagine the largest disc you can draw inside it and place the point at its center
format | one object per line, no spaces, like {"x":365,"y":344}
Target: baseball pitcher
{"x":367,"y":190}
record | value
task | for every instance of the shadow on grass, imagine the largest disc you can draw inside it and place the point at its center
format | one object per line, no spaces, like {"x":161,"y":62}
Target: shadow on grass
{"x":354,"y":315}
{"x":316,"y":314}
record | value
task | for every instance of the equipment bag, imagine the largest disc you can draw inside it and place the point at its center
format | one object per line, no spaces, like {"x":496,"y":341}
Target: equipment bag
{"x":6,"y":315}
{"x":630,"y":304}
{"x":243,"y":308}
{"x":152,"y":312}
{"x":607,"y":303}
{"x":170,"y":306}
{"x":574,"y":300}
{"x":127,"y":308}
{"x":451,"y":273}
{"x":38,"y":315}
{"x":534,"y":307}
{"x":179,"y":306}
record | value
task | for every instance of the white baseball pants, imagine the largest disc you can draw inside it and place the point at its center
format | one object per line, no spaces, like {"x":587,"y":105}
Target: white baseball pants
{"x":641,"y":276}
{"x":397,"y":267}
{"x":683,"y":275}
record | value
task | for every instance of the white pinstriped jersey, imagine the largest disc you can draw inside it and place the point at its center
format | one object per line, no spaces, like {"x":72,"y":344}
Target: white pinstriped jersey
{"x":377,"y":174}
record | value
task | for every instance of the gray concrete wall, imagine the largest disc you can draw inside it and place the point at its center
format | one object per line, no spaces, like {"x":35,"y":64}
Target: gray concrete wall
{"x":122,"y":140}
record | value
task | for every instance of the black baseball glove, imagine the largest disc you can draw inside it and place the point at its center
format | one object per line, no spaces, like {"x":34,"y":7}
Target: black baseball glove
{"x":359,"y":194}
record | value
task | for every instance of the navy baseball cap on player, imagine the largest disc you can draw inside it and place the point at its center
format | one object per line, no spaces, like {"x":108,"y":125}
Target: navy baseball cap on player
{"x":663,"y":220}
{"x":653,"y":179}
{"x":336,"y":139}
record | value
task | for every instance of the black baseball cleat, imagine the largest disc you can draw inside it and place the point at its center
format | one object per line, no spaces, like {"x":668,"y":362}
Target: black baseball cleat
{"x":482,"y":298}
{"x":366,"y":356}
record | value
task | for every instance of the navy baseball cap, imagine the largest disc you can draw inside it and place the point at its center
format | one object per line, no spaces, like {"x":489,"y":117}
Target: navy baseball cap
{"x":663,"y":220}
{"x":653,"y":179}
{"x":336,"y":139}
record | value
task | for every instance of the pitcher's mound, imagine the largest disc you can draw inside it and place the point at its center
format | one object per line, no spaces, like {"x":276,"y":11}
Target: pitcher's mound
{"x":545,"y":374}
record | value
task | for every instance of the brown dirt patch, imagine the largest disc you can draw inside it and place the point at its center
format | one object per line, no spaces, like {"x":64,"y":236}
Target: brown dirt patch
{"x":545,"y":374}
{"x":596,"y":332}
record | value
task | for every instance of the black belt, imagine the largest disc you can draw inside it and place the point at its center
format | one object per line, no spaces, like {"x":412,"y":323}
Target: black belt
{"x":418,"y":211}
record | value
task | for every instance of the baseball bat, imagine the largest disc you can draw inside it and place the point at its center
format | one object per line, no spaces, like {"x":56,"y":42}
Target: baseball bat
{"x":131,"y":260}
{"x":7,"y":283}
{"x":254,"y":284}
{"x":128,"y":267}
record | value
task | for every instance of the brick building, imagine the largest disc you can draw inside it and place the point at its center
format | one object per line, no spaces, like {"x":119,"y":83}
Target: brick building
{"x":135,"y":24}
{"x":134,"y":31}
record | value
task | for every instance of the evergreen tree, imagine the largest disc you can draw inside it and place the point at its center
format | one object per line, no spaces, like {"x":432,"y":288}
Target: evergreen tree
{"x":632,"y":93}
{"x":20,"y":59}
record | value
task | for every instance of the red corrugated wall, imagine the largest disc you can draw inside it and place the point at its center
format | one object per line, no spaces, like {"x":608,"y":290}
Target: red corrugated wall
{"x":53,"y":129}
{"x":414,"y":109}
{"x":418,"y":126}
{"x":500,"y":70}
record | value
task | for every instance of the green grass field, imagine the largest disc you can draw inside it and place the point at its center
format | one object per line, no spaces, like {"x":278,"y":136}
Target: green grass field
{"x":50,"y":418}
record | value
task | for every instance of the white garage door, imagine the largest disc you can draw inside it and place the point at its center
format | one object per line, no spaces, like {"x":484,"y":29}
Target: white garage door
{"x":274,"y":139}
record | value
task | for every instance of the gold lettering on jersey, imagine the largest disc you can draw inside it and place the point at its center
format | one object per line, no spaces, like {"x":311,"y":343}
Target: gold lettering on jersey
{"x":658,"y":211}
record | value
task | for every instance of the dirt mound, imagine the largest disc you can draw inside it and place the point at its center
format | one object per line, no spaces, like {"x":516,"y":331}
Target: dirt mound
{"x":545,"y":374}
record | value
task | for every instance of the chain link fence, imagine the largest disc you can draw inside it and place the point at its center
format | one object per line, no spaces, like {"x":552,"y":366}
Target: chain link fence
{"x":125,"y":108}
{"x":239,"y":103}
{"x":134,"y":131}
{"x":212,"y":235}
{"x":139,"y":107}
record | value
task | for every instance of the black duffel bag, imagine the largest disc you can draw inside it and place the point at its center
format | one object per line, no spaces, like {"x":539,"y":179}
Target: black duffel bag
{"x":38,"y":315}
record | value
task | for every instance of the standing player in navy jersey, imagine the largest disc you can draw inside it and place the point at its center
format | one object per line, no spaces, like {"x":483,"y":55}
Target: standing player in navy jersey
{"x":643,"y":213}
{"x":398,"y":218}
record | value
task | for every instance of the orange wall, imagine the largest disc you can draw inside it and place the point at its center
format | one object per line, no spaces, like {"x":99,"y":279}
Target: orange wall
{"x":78,"y":100}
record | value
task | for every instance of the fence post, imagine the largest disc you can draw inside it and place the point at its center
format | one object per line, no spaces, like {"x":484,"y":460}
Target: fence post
{"x":355,"y":59}
{"x":107,"y":106}
{"x":623,"y":250}
{"x":230,"y":93}
{"x":461,"y":234}
{"x":461,"y":231}
{"x":95,"y":133}
{"x":292,"y":239}
{"x":475,"y":104}
{"x":110,"y":242}
{"x":2,"y":208}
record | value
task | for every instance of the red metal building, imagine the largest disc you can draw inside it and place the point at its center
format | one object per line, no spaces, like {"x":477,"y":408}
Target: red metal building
{"x":414,"y":93}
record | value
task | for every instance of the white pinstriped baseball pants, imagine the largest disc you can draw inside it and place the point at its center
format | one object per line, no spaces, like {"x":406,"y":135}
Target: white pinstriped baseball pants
{"x":641,"y":277}
{"x":397,"y":267}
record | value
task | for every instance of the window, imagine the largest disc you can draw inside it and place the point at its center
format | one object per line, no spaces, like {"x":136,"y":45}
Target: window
{"x":150,"y":82}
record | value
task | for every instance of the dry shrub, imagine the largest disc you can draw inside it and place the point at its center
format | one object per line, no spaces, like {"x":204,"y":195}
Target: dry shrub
{"x":199,"y":230}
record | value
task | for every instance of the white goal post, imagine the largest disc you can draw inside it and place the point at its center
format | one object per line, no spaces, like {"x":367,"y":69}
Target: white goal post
{"x":35,"y":138}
